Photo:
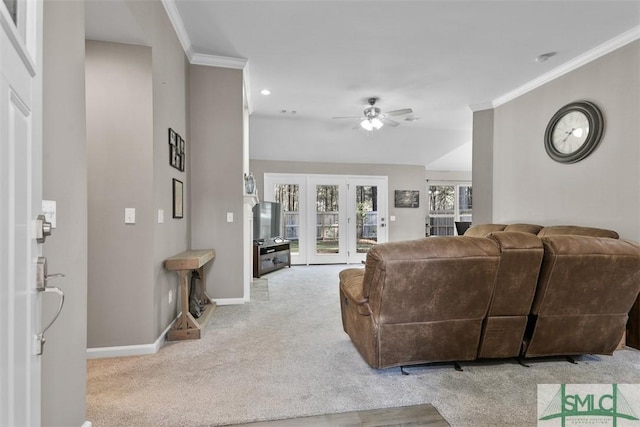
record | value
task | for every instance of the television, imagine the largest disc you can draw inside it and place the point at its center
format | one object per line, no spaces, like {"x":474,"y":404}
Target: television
{"x":267,"y":217}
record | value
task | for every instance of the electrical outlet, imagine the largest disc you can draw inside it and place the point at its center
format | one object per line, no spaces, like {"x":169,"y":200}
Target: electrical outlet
{"x":170,"y":296}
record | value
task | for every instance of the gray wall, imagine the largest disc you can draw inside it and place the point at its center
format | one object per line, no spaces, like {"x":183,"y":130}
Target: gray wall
{"x":64,"y":374}
{"x":120,"y":168}
{"x":137,"y":93}
{"x":216,"y":126}
{"x":602,"y":190}
{"x":409,"y":224}
{"x":482,"y":169}
{"x":170,"y":89}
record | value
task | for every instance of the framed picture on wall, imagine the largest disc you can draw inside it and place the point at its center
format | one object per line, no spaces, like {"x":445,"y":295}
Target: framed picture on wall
{"x":177,"y":198}
{"x":181,"y":153}
{"x":176,"y":150}
{"x":407,"y":198}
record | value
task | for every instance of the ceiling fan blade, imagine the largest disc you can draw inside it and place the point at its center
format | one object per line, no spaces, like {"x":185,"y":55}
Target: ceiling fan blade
{"x":360,"y":118}
{"x":389,"y":122}
{"x":398,"y":112}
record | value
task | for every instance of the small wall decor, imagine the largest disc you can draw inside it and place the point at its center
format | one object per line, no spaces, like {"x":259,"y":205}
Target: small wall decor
{"x":250,"y":184}
{"x":177,"y":198}
{"x":176,"y":150}
{"x":407,"y":198}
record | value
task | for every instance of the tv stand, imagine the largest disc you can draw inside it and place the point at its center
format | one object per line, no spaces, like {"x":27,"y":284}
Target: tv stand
{"x":270,"y":257}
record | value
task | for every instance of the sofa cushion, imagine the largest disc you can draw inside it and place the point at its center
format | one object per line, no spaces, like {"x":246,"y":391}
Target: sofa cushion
{"x":481,"y":230}
{"x":575,"y":230}
{"x":524,"y":228}
{"x":518,"y":272}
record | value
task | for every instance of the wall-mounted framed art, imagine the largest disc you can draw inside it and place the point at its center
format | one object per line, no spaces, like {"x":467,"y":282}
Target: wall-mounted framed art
{"x":176,"y":150}
{"x":177,"y":199}
{"x":407,"y":199}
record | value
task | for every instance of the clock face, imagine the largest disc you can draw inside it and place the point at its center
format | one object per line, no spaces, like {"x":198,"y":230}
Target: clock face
{"x":573,"y":132}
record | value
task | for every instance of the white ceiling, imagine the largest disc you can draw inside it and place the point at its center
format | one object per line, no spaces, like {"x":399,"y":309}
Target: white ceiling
{"x":324,"y":58}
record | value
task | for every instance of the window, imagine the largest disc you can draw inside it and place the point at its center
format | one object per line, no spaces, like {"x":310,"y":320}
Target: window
{"x":447,"y":204}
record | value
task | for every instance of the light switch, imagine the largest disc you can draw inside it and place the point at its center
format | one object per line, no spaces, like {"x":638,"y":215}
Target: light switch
{"x":161,"y":218}
{"x":392,"y":218}
{"x":229,"y":216}
{"x":129,"y":215}
{"x":49,"y":211}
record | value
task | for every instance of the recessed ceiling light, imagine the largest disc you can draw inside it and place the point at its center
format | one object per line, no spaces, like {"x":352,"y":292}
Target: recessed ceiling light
{"x":265,"y":92}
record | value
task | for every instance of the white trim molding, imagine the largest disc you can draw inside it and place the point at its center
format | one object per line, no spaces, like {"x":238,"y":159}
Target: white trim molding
{"x":174,"y":16}
{"x":131,"y":350}
{"x":591,"y":55}
{"x":230,"y":301}
{"x":219,"y":61}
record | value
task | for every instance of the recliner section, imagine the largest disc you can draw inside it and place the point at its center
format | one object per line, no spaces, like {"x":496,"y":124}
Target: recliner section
{"x":586,"y":289}
{"x":503,"y":328}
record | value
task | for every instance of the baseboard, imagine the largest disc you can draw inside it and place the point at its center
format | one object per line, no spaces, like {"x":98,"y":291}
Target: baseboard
{"x":142,"y":349}
{"x":130,"y":350}
{"x":229,"y":301}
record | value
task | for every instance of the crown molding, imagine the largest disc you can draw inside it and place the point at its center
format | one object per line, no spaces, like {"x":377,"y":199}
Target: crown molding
{"x":174,"y":16}
{"x":589,"y":56}
{"x":481,"y":106}
{"x":218,"y":61}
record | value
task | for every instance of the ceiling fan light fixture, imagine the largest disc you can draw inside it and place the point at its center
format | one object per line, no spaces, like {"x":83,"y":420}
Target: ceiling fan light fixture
{"x":366,"y":124}
{"x":376,"y":123}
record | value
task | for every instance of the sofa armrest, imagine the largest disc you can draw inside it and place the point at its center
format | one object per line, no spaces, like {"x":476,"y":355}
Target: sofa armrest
{"x":352,"y":286}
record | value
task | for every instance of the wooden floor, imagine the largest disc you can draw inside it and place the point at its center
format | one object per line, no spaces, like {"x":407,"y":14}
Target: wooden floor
{"x":419,"y":415}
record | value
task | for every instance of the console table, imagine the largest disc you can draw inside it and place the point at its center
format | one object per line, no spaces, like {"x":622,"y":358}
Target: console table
{"x":188,"y":327}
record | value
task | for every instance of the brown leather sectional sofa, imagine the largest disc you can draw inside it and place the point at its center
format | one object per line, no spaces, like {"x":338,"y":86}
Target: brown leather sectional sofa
{"x":499,"y":291}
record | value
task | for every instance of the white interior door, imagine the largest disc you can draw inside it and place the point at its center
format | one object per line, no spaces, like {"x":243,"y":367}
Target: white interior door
{"x":20,"y":202}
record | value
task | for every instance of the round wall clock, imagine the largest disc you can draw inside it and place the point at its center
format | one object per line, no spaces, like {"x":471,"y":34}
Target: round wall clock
{"x":574,"y":132}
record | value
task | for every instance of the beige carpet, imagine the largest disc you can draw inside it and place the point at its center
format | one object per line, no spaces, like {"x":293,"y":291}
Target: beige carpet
{"x":285,"y":355}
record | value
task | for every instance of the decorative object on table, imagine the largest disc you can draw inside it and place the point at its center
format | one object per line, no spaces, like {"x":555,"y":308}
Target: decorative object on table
{"x":249,"y":183}
{"x":407,"y":198}
{"x":574,"y":132}
{"x":177,"y":198}
{"x":176,"y":150}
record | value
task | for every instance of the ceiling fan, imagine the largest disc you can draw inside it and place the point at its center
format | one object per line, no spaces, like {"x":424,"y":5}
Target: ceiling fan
{"x":374,"y":118}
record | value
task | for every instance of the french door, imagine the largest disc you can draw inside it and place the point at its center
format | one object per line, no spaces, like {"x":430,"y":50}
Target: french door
{"x":330,"y":219}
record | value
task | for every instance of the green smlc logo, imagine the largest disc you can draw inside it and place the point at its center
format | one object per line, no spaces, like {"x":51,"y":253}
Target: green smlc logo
{"x":563,"y":406}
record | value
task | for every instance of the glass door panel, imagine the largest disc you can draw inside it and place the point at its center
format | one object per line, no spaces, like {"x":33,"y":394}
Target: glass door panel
{"x":290,"y":190}
{"x":327,"y":197}
{"x":288,"y":195}
{"x":367,"y":215}
{"x":366,"y":218}
{"x":327,"y":219}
